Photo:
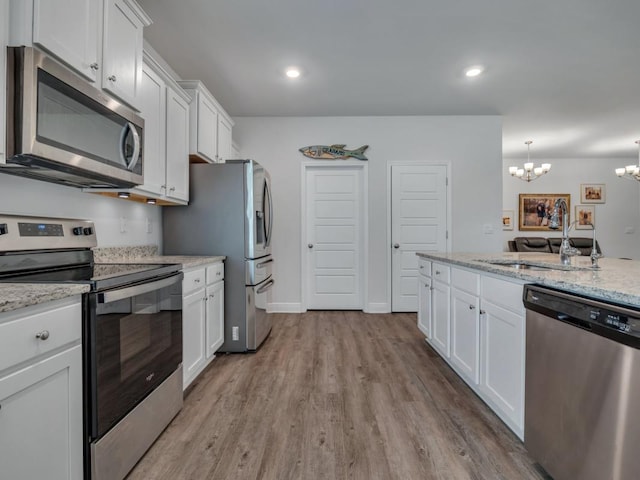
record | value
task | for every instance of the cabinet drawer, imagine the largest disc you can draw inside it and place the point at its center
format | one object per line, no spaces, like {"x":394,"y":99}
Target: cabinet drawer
{"x":465,"y":280}
{"x":193,"y":280}
{"x":424,"y":267}
{"x":215,"y":273}
{"x":57,"y":327}
{"x":440,"y":272}
{"x":502,"y":293}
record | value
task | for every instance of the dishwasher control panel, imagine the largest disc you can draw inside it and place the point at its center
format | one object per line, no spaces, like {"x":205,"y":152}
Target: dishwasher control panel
{"x":617,"y":322}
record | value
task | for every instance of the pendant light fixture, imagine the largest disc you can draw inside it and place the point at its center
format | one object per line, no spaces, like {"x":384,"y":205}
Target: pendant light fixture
{"x":529,"y":172}
{"x":632,"y":172}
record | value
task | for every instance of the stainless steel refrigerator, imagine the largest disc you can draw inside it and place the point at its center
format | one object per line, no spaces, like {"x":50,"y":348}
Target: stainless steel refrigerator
{"x":230,"y":213}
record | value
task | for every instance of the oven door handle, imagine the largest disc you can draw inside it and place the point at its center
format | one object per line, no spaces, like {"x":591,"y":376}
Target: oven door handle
{"x":127,"y":292}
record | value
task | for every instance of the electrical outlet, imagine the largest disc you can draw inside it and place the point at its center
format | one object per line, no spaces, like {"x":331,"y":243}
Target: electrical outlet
{"x":149,"y":226}
{"x":235,"y":333}
{"x":487,"y":229}
{"x":123,"y":225}
{"x":629,"y":230}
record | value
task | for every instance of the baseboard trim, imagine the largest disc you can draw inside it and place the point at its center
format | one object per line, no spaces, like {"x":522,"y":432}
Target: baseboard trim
{"x":285,"y":308}
{"x":378,"y":308}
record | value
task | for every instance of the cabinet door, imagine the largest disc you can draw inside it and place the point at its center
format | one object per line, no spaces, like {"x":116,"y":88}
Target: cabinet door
{"x":207,"y":129}
{"x":152,"y":108}
{"x":122,"y":51}
{"x":502,"y":362}
{"x":424,"y":305}
{"x":41,"y":419}
{"x":441,"y":316}
{"x":224,"y":139}
{"x":177,"y":146}
{"x":193,"y":329}
{"x":465,"y":334}
{"x":70,"y":30}
{"x":215,"y":317}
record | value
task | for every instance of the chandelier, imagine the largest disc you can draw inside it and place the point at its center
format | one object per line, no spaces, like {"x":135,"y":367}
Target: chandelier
{"x":632,"y":172}
{"x":529,"y":172}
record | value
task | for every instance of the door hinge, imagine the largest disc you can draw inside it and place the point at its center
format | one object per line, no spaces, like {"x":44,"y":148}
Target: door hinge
{"x":446,"y":235}
{"x":446,"y":181}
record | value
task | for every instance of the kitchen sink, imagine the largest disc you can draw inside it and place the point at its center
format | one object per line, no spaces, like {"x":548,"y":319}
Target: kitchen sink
{"x":525,"y":265}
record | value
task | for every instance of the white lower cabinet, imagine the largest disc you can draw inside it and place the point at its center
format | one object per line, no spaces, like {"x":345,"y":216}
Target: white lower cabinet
{"x":202,"y":318}
{"x":193,"y":326}
{"x":41,"y":392}
{"x":476,"y":322}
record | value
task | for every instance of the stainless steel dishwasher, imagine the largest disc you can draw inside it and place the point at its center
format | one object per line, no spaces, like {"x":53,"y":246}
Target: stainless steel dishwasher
{"x":582,"y":386}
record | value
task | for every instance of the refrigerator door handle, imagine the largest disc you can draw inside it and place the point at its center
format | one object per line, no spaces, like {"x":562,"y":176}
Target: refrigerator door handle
{"x":270,"y":224}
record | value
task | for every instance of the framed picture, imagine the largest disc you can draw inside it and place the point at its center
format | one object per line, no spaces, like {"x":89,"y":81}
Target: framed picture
{"x":592,"y":193}
{"x":507,"y":219}
{"x":535,"y":210}
{"x":585,"y":217}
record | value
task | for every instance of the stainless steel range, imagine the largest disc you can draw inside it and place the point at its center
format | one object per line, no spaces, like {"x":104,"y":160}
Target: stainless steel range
{"x":132,"y":335}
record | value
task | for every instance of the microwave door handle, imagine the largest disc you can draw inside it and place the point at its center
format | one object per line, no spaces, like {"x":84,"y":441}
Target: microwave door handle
{"x":136,"y":145}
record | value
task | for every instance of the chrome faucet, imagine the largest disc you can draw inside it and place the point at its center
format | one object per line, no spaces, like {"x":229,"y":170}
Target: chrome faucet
{"x":594,"y":250}
{"x":566,"y":250}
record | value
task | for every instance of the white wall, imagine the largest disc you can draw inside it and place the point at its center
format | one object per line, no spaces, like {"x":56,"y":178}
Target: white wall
{"x":32,"y":197}
{"x":621,"y":210}
{"x":472,"y":145}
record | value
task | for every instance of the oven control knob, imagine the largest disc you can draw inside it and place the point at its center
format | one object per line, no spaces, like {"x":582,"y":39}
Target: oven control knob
{"x":77,"y":231}
{"x":88,"y":230}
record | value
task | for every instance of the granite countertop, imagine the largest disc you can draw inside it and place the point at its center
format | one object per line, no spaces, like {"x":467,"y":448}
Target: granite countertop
{"x":149,"y":254}
{"x":616,"y":281}
{"x":18,"y":295}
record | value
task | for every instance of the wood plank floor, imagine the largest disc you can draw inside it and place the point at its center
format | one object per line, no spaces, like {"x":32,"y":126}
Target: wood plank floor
{"x":335,"y":395}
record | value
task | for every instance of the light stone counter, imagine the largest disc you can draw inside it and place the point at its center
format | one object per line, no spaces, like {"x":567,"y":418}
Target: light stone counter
{"x":18,"y":295}
{"x":149,"y":254}
{"x":616,"y":281}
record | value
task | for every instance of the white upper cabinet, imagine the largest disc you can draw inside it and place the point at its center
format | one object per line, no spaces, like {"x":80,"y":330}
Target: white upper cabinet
{"x":210,"y":134}
{"x":177,"y":146}
{"x":70,"y":30}
{"x":152,"y":108}
{"x":99,"y":39}
{"x":122,"y":49}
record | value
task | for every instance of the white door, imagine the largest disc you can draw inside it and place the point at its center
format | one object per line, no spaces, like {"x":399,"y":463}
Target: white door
{"x":418,"y":223}
{"x":334,"y":237}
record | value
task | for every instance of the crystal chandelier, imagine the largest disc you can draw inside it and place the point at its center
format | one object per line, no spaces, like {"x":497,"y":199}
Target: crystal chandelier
{"x":529,"y":172}
{"x":632,"y":172}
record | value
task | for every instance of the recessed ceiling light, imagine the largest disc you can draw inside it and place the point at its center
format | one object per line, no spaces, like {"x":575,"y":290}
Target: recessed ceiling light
{"x":474,"y":71}
{"x":292,"y":72}
{"x":123,"y":194}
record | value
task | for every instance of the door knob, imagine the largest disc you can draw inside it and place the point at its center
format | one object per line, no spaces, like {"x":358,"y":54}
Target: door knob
{"x":396,"y":245}
{"x":310,"y":245}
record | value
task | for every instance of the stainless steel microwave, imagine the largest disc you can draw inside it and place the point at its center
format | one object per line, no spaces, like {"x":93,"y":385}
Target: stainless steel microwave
{"x":61,"y":129}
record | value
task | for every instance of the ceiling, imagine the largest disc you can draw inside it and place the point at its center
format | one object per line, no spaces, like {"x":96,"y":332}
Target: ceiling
{"x":563,"y":73}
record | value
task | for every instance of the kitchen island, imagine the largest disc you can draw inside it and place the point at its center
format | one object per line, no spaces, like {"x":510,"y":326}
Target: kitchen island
{"x":616,"y":280}
{"x":471,"y":313}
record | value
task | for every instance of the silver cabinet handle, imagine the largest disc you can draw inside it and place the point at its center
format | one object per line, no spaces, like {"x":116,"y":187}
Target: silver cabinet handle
{"x":482,"y":312}
{"x":112,"y":78}
{"x":310,"y":245}
{"x":396,"y":245}
{"x":472,"y":307}
{"x":163,"y":186}
{"x":43,"y":335}
{"x":218,"y":274}
{"x":94,"y":66}
{"x":421,"y":267}
{"x":172,"y":189}
{"x":212,"y":296}
{"x":437,"y":272}
{"x":197,"y":280}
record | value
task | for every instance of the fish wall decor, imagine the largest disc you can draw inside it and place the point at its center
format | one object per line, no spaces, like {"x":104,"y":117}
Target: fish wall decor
{"x":333,"y":152}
